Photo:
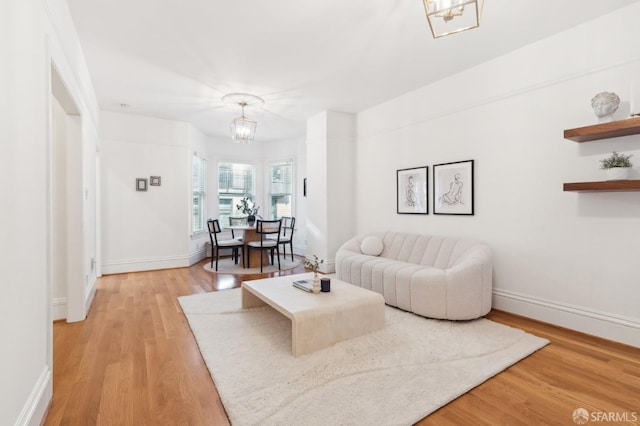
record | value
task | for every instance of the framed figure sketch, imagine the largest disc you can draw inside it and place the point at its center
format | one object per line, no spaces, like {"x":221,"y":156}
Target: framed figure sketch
{"x":453,"y":188}
{"x":412,"y":187}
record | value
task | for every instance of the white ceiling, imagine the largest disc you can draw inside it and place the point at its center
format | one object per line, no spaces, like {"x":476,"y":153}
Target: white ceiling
{"x":175,"y":59}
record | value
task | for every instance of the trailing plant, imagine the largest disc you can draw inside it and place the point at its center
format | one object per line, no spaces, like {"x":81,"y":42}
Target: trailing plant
{"x":247,"y":207}
{"x":616,"y":160}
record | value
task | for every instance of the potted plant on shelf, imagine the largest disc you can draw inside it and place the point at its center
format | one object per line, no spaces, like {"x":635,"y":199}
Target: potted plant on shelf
{"x":617,"y":166}
{"x":249,"y":208}
{"x":314,"y":265}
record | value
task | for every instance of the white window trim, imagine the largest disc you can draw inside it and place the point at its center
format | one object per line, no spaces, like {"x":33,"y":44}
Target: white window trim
{"x":267,"y":180}
{"x":203,"y":207}
{"x":254,"y":181}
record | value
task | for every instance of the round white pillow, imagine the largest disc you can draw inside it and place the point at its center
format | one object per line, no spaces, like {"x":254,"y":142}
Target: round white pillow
{"x":372,"y":246}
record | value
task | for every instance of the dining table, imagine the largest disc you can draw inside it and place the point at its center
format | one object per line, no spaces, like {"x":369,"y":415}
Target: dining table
{"x":250,"y":235}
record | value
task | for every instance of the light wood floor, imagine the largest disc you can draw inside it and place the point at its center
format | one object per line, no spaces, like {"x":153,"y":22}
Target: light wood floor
{"x":134,"y":361}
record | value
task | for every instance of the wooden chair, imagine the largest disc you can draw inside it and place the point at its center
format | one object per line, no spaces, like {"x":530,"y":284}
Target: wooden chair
{"x":214,"y":230}
{"x":266,"y":229}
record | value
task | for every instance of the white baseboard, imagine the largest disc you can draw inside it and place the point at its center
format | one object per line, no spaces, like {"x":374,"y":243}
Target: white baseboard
{"x":59,"y":308}
{"x":91,"y":293}
{"x":37,"y":404}
{"x":602,"y":324}
{"x":59,"y":305}
{"x":137,"y":265}
{"x":199,"y":255}
{"x":327,"y":267}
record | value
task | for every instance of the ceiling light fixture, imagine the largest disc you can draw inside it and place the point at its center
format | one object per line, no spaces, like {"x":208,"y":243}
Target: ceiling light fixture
{"x":243,"y":130}
{"x":452,"y":16}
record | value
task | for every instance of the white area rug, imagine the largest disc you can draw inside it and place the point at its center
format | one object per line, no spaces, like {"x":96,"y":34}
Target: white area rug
{"x":395,"y":376}
{"x":226,"y":265}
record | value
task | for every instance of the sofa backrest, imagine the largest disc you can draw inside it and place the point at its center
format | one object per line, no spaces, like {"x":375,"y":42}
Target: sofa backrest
{"x":437,"y":251}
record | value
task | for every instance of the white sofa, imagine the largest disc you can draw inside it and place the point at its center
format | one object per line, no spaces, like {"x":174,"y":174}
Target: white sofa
{"x":432,"y":276}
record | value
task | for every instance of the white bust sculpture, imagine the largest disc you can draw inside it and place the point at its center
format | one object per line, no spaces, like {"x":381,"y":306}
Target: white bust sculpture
{"x":604,"y":104}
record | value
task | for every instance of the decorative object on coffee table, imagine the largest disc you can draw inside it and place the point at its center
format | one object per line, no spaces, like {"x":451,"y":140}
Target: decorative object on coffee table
{"x":325,"y":285}
{"x":314,"y":265}
{"x":617,"y":166}
{"x":604,"y":104}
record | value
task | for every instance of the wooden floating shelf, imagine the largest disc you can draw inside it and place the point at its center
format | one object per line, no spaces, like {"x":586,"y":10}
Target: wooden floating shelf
{"x":612,"y":129}
{"x":607,"y":185}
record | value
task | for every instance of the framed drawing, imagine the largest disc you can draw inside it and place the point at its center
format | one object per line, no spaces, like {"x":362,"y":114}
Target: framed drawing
{"x":141,"y":184}
{"x":412,"y":188}
{"x":453,"y":188}
{"x":154,"y":180}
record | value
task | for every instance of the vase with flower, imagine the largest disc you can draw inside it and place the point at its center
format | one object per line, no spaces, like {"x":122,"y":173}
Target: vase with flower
{"x":248,"y":207}
{"x":314,"y":265}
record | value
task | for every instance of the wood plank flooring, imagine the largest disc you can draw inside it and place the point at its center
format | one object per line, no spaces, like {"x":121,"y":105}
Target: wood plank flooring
{"x":134,"y":361}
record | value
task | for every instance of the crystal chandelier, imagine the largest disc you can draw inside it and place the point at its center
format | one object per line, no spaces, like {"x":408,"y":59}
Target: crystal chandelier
{"x":243,"y":130}
{"x":452,"y":16}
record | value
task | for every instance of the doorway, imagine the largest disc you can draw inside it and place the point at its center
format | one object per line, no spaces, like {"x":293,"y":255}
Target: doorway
{"x":69,"y":204}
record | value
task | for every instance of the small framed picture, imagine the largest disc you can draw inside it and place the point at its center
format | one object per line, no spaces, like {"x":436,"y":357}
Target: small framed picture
{"x":412,"y":190}
{"x":453,"y":188}
{"x":154,"y":181}
{"x":141,"y":184}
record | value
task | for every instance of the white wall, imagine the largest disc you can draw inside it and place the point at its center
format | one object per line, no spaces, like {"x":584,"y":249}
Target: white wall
{"x":294,"y":150}
{"x":152,"y":230}
{"x":33,"y":34}
{"x":144,"y":230}
{"x":564,"y":258}
{"x":330,"y":150}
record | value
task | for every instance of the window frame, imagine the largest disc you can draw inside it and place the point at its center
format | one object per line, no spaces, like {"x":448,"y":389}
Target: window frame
{"x":199,"y":190}
{"x":252,"y":194}
{"x":268,"y":187}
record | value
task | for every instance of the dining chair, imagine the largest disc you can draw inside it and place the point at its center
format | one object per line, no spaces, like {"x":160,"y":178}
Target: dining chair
{"x":237,"y":221}
{"x":286,"y":236}
{"x":266,"y":229}
{"x":214,"y":230}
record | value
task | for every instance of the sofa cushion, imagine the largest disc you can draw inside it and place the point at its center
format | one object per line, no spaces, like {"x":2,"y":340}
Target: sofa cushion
{"x":372,"y":246}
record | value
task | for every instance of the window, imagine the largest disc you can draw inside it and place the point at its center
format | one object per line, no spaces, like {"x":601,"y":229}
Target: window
{"x":280,"y":189}
{"x":198,"y":174}
{"x":235,"y":181}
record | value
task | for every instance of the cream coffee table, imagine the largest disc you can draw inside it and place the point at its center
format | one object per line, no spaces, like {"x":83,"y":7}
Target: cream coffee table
{"x":318,"y":320}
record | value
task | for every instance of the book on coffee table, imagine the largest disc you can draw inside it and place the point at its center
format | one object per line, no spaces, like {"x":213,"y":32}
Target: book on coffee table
{"x":306,"y":285}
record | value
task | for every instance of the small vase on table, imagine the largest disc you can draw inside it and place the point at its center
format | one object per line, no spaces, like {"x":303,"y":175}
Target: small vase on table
{"x":316,"y":283}
{"x":314,"y":265}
